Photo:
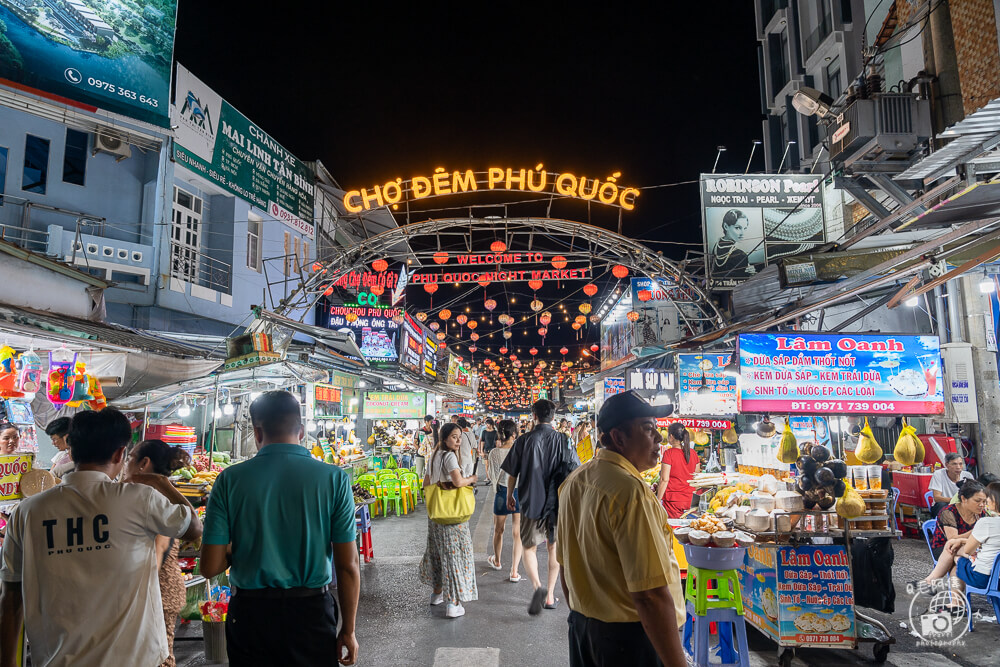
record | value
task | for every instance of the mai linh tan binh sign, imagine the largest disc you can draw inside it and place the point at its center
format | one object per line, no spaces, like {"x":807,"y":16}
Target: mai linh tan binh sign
{"x":442,"y":183}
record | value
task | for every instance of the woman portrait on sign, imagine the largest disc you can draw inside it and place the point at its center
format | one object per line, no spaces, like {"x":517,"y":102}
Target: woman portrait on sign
{"x":729,"y":259}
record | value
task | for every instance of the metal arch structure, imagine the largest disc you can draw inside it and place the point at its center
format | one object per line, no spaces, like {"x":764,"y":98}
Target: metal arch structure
{"x":583,"y":243}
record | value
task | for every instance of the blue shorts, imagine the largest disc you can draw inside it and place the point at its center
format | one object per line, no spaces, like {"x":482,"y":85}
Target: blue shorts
{"x":500,"y":502}
{"x":970,"y":576}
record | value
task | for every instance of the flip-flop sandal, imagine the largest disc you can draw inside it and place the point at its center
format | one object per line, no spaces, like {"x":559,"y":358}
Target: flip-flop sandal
{"x":493,"y":563}
{"x":515,"y":579}
{"x":555,"y":603}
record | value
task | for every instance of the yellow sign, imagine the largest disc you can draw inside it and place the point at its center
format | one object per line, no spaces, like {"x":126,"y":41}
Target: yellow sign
{"x":11,"y":469}
{"x":392,"y":193}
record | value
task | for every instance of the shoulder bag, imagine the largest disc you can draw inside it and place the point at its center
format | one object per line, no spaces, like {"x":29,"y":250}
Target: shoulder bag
{"x":449,"y":506}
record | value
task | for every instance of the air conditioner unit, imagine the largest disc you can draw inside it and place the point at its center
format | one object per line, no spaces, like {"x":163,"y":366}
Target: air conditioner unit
{"x":112,"y":144}
{"x":874,"y":134}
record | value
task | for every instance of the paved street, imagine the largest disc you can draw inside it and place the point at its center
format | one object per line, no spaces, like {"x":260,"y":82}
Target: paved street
{"x":396,"y":626}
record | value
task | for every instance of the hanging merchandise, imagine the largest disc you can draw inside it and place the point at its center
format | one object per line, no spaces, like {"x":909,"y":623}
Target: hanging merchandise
{"x":29,"y":372}
{"x":99,"y":401}
{"x":81,"y":387}
{"x":62,"y":363}
{"x":8,"y":374}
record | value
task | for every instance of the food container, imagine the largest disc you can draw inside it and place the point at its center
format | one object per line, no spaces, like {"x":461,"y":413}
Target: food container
{"x":782,"y":521}
{"x":724,"y":538}
{"x":860,"y":476}
{"x":788,"y":500}
{"x":699,"y":538}
{"x":714,"y":558}
{"x":742,"y":539}
{"x":761,"y":501}
{"x":741,"y":515}
{"x":874,"y":477}
{"x":682,"y":534}
{"x":758,"y":520}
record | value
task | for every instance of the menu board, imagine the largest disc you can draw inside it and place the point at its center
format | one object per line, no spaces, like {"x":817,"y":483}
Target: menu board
{"x":815,"y":596}
{"x":705,"y":370}
{"x":394,"y":405}
{"x":411,"y":346}
{"x":866,"y":374}
{"x":327,"y":401}
{"x":430,"y":357}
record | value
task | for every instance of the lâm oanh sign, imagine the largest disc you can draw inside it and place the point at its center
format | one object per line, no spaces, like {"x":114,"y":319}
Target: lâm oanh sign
{"x":441,"y":183}
{"x":790,"y":372}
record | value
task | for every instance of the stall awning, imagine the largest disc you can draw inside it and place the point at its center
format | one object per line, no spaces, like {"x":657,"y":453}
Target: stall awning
{"x":339,"y":342}
{"x":972,"y":136}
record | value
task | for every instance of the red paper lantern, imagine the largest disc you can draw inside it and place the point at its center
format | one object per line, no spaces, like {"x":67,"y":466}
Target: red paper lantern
{"x":473,"y":324}
{"x":542,"y":331}
{"x":619,"y":271}
{"x":545,"y":318}
{"x":644,"y":295}
{"x":513,"y":357}
{"x":498,"y":246}
{"x":483,"y":282}
{"x":377,"y":290}
{"x":444,"y":314}
{"x":590,"y":289}
{"x":576,"y":326}
{"x":595,"y":347}
{"x":535,"y":284}
{"x":533,"y":351}
{"x":328,"y":291}
{"x":430,"y":288}
{"x":503,"y":350}
{"x":490,"y":305}
{"x":351,"y":317}
{"x":559,"y":262}
{"x":380,"y":265}
{"x":474,"y":336}
{"x":461,"y":319}
{"x":317,"y":266}
{"x":440,"y":335}
{"x":472,"y":348}
{"x":564,"y":351}
{"x":632,"y":316}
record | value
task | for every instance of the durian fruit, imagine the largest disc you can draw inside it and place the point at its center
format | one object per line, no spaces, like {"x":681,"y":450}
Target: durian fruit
{"x":788,"y":450}
{"x":904,"y":451}
{"x":851,"y":505}
{"x":868,"y":450}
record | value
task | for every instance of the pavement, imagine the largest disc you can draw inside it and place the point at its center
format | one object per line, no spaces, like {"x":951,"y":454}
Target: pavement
{"x":397,"y":626}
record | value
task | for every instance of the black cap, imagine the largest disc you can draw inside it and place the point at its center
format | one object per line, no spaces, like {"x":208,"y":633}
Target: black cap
{"x":629,"y":405}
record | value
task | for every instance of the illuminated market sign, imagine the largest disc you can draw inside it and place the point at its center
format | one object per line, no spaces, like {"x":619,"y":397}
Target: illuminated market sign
{"x":495,"y":179}
{"x":374,"y":328}
{"x":394,"y":405}
{"x":704,"y":388}
{"x":890,"y":374}
{"x":582,"y":273}
{"x":367,"y":279}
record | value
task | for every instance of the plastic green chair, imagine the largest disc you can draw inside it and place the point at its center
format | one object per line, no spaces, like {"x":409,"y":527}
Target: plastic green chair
{"x":392,"y":491}
{"x":368,"y":477}
{"x":381,"y":474}
{"x":369,"y":484}
{"x":414,"y":484}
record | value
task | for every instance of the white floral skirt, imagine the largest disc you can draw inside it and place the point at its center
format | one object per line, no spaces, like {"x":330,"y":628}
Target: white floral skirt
{"x":449,"y":563}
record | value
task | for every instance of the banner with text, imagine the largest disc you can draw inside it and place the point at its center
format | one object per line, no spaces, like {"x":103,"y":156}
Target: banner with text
{"x":750,"y":220}
{"x":109,"y":54}
{"x":217,"y":142}
{"x":394,"y":405}
{"x":703,"y":388}
{"x":840,"y":374}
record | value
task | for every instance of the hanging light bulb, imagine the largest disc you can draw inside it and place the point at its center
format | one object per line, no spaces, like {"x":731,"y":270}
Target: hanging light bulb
{"x":184,"y":410}
{"x":228,"y":408}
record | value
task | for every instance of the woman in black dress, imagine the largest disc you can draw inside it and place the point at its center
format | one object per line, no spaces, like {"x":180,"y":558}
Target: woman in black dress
{"x":728,"y":259}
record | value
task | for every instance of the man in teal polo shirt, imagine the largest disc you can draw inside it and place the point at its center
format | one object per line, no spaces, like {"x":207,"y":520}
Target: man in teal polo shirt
{"x":282,"y":521}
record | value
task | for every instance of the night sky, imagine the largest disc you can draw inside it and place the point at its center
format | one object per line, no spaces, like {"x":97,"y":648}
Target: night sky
{"x":383,"y":91}
{"x":377,"y":91}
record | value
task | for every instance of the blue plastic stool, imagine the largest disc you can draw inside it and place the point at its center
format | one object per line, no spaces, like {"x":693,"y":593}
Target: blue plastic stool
{"x":698,"y":626}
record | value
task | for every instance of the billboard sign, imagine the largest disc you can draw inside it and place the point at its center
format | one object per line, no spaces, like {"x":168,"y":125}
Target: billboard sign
{"x":394,"y":404}
{"x":617,"y":335}
{"x":750,"y":220}
{"x":868,"y":374}
{"x":373,"y":328}
{"x":703,"y":388}
{"x":411,"y":345}
{"x":107,"y":54}
{"x":217,"y":142}
{"x":613,"y":386}
{"x":458,"y":374}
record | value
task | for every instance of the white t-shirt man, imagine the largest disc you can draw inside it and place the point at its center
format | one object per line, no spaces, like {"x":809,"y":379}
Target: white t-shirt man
{"x":941,"y":483}
{"x":469,"y":448}
{"x":84,"y":553}
{"x":987,"y":533}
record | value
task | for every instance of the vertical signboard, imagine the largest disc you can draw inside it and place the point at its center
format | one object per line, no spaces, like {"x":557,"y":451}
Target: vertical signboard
{"x":617,"y":334}
{"x":750,"y":220}
{"x":219,"y":143}
{"x":108,"y":54}
{"x":430,"y":356}
{"x":411,"y":345}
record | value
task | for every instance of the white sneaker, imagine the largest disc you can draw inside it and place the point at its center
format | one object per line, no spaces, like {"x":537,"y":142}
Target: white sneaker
{"x":437,"y":598}
{"x":454,"y":610}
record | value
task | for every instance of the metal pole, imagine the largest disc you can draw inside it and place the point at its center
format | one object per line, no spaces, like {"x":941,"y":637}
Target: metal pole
{"x":783,"y":155}
{"x":719,"y":151}
{"x":752,"y":151}
{"x":215,"y":408}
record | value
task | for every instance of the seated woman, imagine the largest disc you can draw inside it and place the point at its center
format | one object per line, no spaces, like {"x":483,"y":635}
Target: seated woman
{"x":984,"y":538}
{"x":956,"y":521}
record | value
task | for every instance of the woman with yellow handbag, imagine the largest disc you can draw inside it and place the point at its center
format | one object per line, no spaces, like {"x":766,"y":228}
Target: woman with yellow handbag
{"x":448,"y":564}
